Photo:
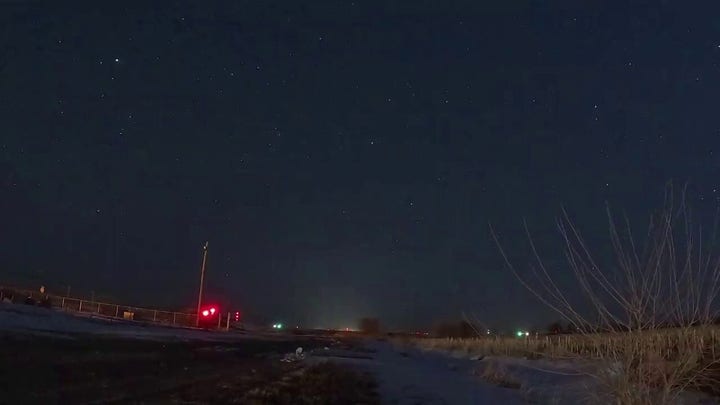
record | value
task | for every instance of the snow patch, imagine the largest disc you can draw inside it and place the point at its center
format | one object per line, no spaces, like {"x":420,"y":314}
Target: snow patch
{"x":413,"y":377}
{"x":36,"y":321}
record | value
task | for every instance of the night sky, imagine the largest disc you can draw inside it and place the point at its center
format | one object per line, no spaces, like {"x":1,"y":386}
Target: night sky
{"x":342,"y":158}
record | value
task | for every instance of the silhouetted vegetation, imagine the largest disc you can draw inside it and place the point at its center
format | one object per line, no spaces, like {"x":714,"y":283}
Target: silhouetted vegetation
{"x":461,"y":329}
{"x":370,"y":326}
{"x":555,"y":328}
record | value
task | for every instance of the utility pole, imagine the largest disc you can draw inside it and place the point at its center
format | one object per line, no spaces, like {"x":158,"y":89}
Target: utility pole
{"x":202,"y":281}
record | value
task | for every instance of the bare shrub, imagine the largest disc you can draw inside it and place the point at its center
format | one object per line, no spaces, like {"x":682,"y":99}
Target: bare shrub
{"x":650,"y":315}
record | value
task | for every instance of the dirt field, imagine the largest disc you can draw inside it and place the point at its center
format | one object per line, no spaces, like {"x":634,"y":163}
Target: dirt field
{"x":95,"y":370}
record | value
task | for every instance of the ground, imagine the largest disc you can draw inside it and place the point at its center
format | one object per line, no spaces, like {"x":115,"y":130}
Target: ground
{"x":111,"y":370}
{"x":52,"y":357}
{"x":49,"y":356}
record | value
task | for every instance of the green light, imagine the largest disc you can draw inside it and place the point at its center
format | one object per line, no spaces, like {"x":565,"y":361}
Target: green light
{"x":520,"y":333}
{"x":280,"y":326}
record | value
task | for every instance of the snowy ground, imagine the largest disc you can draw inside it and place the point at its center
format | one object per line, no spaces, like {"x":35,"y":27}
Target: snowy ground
{"x":403,"y":375}
{"x":412,"y":376}
{"x":52,"y":357}
{"x":423,"y":378}
{"x":25,"y":319}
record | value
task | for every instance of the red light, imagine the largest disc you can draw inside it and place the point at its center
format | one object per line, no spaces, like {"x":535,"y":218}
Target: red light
{"x":206,"y":313}
{"x":212,"y":311}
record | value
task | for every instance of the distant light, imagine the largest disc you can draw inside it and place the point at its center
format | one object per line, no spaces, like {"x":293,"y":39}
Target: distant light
{"x":206,"y":313}
{"x":520,"y":333}
{"x":212,"y":311}
{"x":527,"y":333}
{"x":117,"y":60}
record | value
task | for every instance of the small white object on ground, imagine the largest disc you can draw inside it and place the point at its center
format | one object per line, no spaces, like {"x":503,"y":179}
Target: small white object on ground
{"x":293,"y":357}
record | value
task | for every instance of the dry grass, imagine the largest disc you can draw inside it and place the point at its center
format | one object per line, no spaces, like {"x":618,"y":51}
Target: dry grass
{"x":634,"y":367}
{"x":667,"y":344}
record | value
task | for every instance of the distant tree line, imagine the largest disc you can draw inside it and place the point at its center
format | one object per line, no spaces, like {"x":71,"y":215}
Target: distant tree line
{"x":370,"y":326}
{"x":556,"y":328}
{"x":457,"y":329}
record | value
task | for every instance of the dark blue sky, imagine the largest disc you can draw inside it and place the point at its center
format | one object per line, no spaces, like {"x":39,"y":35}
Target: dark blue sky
{"x":342,"y":158}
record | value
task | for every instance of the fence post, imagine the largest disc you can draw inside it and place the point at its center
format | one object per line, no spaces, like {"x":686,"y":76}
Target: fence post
{"x":62,"y":304}
{"x":98,"y":310}
{"x":80,"y":308}
{"x":155,"y":315}
{"x":174,"y":315}
{"x":227,"y":324}
{"x":117,"y":310}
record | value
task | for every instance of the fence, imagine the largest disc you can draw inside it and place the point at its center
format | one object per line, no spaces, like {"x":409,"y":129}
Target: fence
{"x":101,"y":308}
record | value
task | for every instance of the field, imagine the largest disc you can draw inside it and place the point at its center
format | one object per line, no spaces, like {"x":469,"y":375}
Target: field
{"x":49,"y":356}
